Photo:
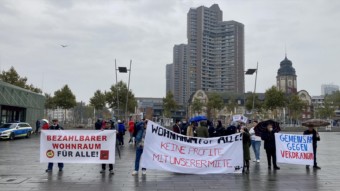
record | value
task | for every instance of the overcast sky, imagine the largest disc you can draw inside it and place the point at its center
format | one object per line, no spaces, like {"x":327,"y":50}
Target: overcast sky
{"x":145,"y":31}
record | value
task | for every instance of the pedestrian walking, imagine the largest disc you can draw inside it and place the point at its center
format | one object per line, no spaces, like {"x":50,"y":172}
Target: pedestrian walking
{"x":107,"y":127}
{"x":140,"y":133}
{"x":121,"y":132}
{"x":269,"y":145}
{"x":55,"y":126}
{"x":246,"y":152}
{"x":316,"y":138}
{"x":255,"y":142}
{"x":37,"y":126}
{"x":202,"y":130}
{"x":131,"y":130}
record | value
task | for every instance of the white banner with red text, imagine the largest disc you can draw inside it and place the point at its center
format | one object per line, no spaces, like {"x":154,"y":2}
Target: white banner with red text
{"x":169,"y":151}
{"x":294,"y":149}
{"x":78,"y":146}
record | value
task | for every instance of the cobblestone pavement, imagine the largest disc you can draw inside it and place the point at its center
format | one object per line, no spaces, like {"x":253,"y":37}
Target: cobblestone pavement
{"x":21,"y":170}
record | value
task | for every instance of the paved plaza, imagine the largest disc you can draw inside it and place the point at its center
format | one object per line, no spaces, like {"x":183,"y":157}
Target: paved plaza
{"x":21,"y":170}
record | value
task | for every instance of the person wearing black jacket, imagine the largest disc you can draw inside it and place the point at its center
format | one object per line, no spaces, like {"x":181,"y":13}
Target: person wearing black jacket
{"x":316,"y":138}
{"x":220,"y":130}
{"x":55,"y":126}
{"x":269,"y":145}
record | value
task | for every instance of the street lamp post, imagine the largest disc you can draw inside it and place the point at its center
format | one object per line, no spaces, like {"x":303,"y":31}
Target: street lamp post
{"x":251,"y":72}
{"x":123,"y":70}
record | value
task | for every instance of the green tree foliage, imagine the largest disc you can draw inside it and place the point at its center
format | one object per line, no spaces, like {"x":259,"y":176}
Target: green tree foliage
{"x":49,"y":102}
{"x":121,"y":88}
{"x":197,"y":106}
{"x":327,"y":110}
{"x":65,"y":99}
{"x":98,"y":101}
{"x":275,"y":99}
{"x":215,"y":103}
{"x":232,"y":103}
{"x":169,"y":104}
{"x":249,"y":102}
{"x":12,"y":77}
{"x":295,"y":106}
{"x":334,"y":98}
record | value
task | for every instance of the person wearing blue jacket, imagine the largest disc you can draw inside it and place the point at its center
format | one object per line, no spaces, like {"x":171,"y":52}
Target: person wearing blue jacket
{"x":121,"y":132}
{"x":139,"y":134}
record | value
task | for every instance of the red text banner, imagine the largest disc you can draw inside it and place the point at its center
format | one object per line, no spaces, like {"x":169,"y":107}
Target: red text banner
{"x":169,"y":151}
{"x":78,"y":146}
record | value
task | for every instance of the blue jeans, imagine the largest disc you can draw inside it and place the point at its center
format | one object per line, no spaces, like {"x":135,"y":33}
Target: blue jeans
{"x":139,"y":152}
{"x":50,"y":166}
{"x":256,"y":147}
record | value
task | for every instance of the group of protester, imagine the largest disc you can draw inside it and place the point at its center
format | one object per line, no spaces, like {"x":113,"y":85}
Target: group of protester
{"x":202,"y":129}
{"x":206,"y":129}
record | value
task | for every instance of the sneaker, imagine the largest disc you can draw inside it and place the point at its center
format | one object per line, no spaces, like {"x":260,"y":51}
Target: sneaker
{"x":134,"y":173}
{"x":317,"y":167}
{"x":102,"y":171}
{"x":48,"y":170}
{"x":257,"y":161}
{"x":144,"y":172}
{"x":276,"y":168}
{"x":112,"y":172}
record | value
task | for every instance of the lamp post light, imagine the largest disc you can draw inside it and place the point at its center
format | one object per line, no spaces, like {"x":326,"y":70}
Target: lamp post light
{"x":251,"y":72}
{"x":123,"y":70}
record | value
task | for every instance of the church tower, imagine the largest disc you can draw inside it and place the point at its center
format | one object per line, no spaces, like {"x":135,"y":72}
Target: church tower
{"x":286,"y":77}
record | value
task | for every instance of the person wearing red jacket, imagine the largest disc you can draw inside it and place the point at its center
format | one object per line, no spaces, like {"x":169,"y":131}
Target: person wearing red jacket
{"x":131,"y":130}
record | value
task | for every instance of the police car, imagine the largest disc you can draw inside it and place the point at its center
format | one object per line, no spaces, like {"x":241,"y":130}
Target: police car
{"x":15,"y":130}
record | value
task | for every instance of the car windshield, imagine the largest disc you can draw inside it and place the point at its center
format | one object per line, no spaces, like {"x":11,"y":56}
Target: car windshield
{"x":8,"y":125}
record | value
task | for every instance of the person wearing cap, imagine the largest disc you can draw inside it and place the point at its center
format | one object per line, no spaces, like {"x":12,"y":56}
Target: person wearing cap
{"x":255,"y":142}
{"x":316,"y":138}
{"x":121,"y":132}
{"x":55,"y":126}
{"x":139,"y":135}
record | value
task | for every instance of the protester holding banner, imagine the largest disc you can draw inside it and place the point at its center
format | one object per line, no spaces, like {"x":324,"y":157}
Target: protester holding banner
{"x":220,"y":130}
{"x":140,"y":133}
{"x":269,"y":145}
{"x":184,"y":127}
{"x":255,"y":142}
{"x":202,"y":130}
{"x":246,"y":145}
{"x":232,"y":129}
{"x":316,"y":137}
{"x":55,"y":126}
{"x":176,"y":128}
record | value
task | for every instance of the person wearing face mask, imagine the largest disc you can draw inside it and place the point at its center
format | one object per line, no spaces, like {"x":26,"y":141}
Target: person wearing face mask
{"x":246,"y":151}
{"x":55,"y":126}
{"x":269,"y":145}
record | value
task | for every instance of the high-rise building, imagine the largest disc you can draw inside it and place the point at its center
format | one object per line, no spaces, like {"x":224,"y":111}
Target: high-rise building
{"x":180,"y":61}
{"x":213,"y":59}
{"x":328,"y":89}
{"x":286,"y":77}
{"x":170,"y":78}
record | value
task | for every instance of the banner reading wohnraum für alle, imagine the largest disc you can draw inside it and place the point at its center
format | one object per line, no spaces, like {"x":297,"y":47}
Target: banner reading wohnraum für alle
{"x":169,"y":151}
{"x":78,"y":146}
{"x":294,"y":149}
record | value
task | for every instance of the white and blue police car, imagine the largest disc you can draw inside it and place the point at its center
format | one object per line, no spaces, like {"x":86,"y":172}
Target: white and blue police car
{"x":15,"y":130}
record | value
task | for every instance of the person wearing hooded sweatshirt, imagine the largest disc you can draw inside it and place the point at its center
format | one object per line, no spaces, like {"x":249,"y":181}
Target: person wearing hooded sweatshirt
{"x":55,"y":126}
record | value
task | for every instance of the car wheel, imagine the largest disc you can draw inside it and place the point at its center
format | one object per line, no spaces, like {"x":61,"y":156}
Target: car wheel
{"x":28,"y":134}
{"x":12,"y":136}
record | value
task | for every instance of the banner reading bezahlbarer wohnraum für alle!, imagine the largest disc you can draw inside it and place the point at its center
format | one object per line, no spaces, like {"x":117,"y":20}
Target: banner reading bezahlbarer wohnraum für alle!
{"x":78,"y":146}
{"x":169,"y":151}
{"x":294,"y":149}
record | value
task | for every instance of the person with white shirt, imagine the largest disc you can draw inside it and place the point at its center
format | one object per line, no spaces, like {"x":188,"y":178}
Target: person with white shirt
{"x":255,"y":142}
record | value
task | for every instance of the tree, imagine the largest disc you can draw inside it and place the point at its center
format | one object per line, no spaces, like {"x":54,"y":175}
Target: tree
{"x":49,"y":102}
{"x":275,"y":99}
{"x":334,"y":98}
{"x":215,"y":102}
{"x":249,"y":102}
{"x":295,"y":106}
{"x":327,"y":110}
{"x":12,"y":77}
{"x":98,"y":101}
{"x":122,"y":90}
{"x":197,"y":106}
{"x":65,"y":99}
{"x":169,"y":104}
